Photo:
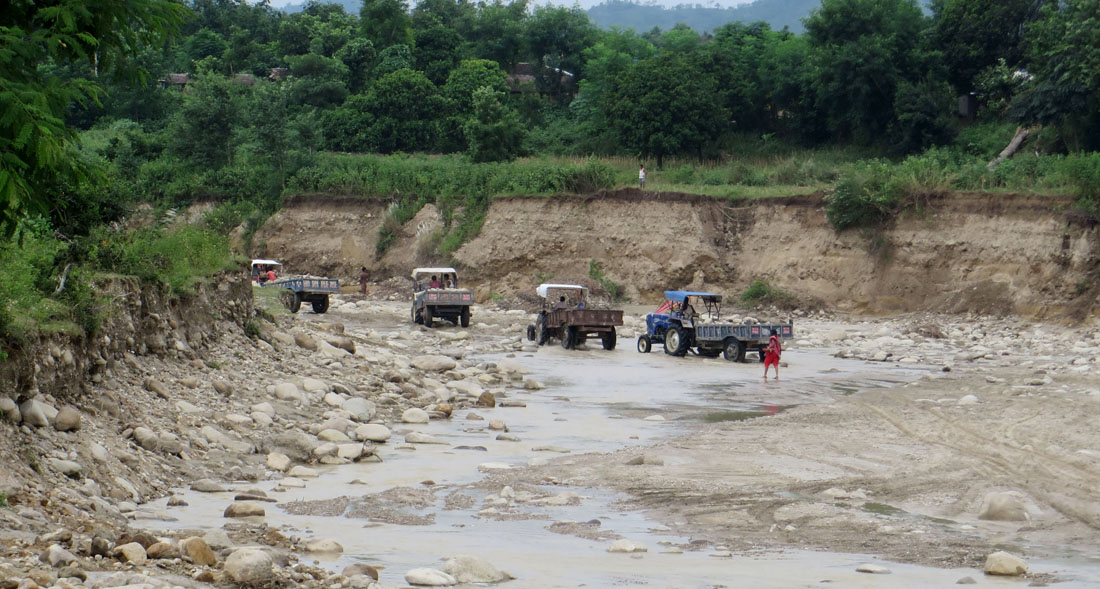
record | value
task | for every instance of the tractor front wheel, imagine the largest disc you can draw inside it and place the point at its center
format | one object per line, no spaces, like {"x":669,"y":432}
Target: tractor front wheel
{"x":644,"y":345}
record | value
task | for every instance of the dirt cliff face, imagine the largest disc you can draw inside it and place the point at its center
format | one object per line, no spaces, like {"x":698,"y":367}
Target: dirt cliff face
{"x":139,"y":319}
{"x":962,"y":252}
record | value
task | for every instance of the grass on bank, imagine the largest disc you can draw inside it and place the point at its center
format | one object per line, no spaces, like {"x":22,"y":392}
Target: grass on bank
{"x":54,"y":285}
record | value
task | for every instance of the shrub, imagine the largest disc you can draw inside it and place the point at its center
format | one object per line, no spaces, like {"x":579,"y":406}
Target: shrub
{"x":596,"y":272}
{"x":761,"y":292}
{"x":863,"y":197}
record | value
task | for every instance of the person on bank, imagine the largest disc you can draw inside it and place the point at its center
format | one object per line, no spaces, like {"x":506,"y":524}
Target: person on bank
{"x":363,"y":277}
{"x":771,"y":356}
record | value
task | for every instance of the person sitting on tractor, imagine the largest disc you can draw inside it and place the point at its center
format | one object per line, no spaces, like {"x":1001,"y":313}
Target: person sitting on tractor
{"x":434,"y":283}
{"x":560,"y":305}
{"x":270,"y":274}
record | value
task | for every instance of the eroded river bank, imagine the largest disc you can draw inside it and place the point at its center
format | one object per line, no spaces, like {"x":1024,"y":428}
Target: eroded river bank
{"x":887,"y":443}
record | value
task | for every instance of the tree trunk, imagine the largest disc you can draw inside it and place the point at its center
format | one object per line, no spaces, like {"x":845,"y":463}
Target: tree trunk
{"x":1010,"y":150}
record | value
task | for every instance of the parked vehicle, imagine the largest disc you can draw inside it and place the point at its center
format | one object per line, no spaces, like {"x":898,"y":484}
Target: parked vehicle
{"x":565,"y":316}
{"x":436,"y":296}
{"x":296,"y":289}
{"x":680,"y":328}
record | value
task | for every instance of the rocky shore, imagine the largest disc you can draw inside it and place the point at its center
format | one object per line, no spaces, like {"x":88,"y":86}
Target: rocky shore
{"x":309,"y":391}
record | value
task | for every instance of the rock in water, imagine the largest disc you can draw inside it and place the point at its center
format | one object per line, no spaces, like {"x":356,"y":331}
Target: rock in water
{"x":250,"y":566}
{"x":1003,"y":563}
{"x":626,"y":546}
{"x":323,"y":545}
{"x":372,"y":432}
{"x":873,"y":569}
{"x":244,"y":509}
{"x":471,"y":569}
{"x":414,"y":415}
{"x":429,"y":578}
{"x":1004,"y":507}
{"x":486,"y":400}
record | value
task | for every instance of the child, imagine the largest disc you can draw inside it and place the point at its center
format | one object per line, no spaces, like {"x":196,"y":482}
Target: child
{"x":772,"y":355}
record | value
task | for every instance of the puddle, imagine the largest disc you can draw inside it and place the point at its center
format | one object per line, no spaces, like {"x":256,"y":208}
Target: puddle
{"x":371,"y":508}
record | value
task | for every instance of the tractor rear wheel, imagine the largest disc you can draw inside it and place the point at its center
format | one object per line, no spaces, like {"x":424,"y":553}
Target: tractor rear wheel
{"x":676,"y":341}
{"x":320,"y":305}
{"x":427,"y":317}
{"x":542,"y":334}
{"x":464,"y":318}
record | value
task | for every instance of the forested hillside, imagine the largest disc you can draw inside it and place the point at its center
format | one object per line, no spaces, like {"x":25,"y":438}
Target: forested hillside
{"x":130,"y":102}
{"x":779,"y":14}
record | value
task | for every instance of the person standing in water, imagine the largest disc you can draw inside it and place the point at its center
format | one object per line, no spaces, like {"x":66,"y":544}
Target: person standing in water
{"x":771,"y":356}
{"x":363,"y":278}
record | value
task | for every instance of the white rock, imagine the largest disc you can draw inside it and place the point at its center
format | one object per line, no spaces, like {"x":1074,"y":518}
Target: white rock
{"x":429,"y":578}
{"x":433,"y":363}
{"x":625,"y":545}
{"x":471,"y":569}
{"x":422,"y":438}
{"x":359,"y":408}
{"x":1003,"y":506}
{"x":34,"y":413}
{"x":313,"y":385}
{"x":250,"y":566}
{"x":873,"y":569}
{"x":264,"y":407}
{"x":302,"y":472}
{"x":288,"y":391}
{"x":332,"y":435}
{"x":1003,"y":563}
{"x":323,"y":545}
{"x":278,"y":461}
{"x":414,"y":415}
{"x":968,"y":400}
{"x":333,"y":400}
{"x":372,"y":432}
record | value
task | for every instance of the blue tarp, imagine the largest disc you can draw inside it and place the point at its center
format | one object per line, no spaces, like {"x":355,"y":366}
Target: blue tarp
{"x":679,"y":295}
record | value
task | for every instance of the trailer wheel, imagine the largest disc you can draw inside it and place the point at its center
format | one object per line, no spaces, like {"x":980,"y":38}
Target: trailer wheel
{"x":644,"y":345}
{"x":609,"y":339}
{"x":320,"y":305}
{"x":568,"y":337}
{"x":676,"y":343}
{"x":416,"y":319}
{"x":464,"y":318}
{"x":292,"y":300}
{"x":734,"y":350}
{"x":530,"y":333}
{"x":426,"y":314}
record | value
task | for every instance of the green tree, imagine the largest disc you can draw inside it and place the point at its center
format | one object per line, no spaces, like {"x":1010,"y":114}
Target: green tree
{"x":386,"y":22}
{"x":468,"y":77}
{"x":203,"y":130}
{"x":318,"y":80}
{"x":665,"y":106}
{"x":1064,"y":52}
{"x":974,"y":34}
{"x":35,"y":142}
{"x":406,"y":108}
{"x":359,"y":56}
{"x":494,"y":133}
{"x":498,"y":32}
{"x":436,"y":52}
{"x":861,"y":51}
{"x":394,"y":58}
{"x":205,"y":43}
{"x":556,"y":39}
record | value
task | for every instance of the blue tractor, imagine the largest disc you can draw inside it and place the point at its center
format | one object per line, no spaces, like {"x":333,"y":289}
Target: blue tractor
{"x":680,"y":328}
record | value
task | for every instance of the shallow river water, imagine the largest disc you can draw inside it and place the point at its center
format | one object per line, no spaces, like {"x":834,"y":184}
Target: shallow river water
{"x":594,"y":401}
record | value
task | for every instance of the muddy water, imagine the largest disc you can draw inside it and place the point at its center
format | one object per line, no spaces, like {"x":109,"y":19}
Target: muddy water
{"x":593,"y":401}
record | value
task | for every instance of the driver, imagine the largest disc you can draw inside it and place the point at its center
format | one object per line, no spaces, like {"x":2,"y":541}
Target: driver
{"x":561,"y":304}
{"x":688,"y":311}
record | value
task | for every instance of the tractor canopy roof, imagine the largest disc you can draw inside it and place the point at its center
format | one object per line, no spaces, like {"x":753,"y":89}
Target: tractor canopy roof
{"x":679,"y":296}
{"x":544,"y":290}
{"x":419,"y":272}
{"x":265,"y":263}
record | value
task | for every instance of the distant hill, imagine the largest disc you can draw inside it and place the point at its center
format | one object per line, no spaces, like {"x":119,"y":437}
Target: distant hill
{"x":350,"y":6}
{"x":642,"y":17}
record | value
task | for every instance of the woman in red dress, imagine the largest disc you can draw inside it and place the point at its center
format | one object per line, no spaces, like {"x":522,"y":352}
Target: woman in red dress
{"x":771,"y":356}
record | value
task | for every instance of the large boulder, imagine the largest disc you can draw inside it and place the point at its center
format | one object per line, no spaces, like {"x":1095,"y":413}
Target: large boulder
{"x":372,"y":432}
{"x":67,"y":420}
{"x":359,"y":408}
{"x":414,"y":415}
{"x":1005,"y":564}
{"x":433,"y":363}
{"x":297,"y":445}
{"x":34,"y":413}
{"x":198,"y":551}
{"x":471,"y":569}
{"x":250,"y":566}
